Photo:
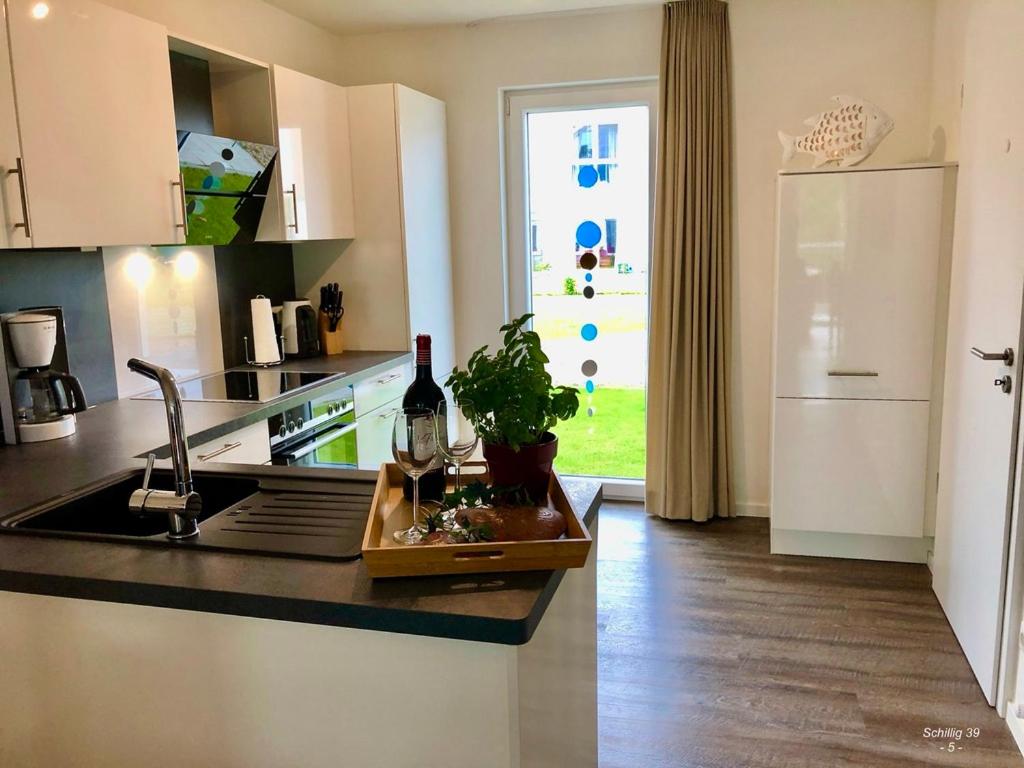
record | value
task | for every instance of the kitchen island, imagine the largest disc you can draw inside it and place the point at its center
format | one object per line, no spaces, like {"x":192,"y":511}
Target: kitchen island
{"x":118,"y":654}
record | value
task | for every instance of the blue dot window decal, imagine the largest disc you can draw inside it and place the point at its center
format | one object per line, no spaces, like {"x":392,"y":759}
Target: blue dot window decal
{"x":589,"y":277}
{"x":588,"y":332}
{"x":590,"y":386}
{"x":588,"y":234}
{"x":587,"y":176}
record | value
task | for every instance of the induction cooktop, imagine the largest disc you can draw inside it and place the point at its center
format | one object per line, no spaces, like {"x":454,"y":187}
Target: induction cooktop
{"x":243,"y":386}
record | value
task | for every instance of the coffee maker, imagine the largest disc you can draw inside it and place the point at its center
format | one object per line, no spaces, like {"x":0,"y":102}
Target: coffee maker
{"x":38,"y":395}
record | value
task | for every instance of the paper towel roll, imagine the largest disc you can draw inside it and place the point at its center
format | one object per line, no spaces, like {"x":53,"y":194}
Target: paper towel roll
{"x":264,"y":339}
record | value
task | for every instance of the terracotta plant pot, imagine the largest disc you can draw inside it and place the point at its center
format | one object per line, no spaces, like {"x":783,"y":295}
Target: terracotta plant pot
{"x":529,"y":467}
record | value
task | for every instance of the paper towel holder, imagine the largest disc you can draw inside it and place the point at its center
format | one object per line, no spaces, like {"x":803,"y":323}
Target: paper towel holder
{"x":245,"y":344}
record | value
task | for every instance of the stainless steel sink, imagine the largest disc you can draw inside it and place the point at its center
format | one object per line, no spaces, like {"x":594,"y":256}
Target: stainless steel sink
{"x":297,"y":517}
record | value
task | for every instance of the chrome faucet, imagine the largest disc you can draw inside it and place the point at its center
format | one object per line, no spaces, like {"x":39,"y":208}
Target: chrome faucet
{"x":182,"y":505}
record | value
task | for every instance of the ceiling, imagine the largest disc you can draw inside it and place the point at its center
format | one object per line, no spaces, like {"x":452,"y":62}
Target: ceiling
{"x":360,"y":16}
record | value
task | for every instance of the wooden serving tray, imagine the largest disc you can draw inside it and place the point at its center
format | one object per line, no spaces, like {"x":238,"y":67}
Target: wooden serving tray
{"x":390,"y":512}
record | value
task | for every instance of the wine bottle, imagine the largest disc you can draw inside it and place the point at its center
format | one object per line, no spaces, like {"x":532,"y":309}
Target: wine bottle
{"x":424,"y":393}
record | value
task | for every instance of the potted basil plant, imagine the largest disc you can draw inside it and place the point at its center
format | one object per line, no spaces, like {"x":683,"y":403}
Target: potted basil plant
{"x":509,"y":399}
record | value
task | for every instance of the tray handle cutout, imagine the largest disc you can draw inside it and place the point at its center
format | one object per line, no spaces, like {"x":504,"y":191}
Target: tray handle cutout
{"x":491,"y":554}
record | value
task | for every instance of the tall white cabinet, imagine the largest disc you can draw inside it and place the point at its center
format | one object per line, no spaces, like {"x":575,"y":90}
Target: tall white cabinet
{"x":92,"y":149}
{"x":396,"y":273}
{"x":860,"y":298}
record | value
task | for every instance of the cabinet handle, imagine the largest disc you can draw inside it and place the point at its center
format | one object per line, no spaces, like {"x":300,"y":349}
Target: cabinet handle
{"x":180,"y":184}
{"x":220,"y":451}
{"x":295,"y":209}
{"x":20,"y":170}
{"x":392,"y":377}
{"x":858,"y":374}
{"x":389,"y":414}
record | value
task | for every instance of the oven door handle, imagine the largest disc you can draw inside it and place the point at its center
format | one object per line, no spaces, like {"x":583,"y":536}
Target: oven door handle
{"x":321,"y":441}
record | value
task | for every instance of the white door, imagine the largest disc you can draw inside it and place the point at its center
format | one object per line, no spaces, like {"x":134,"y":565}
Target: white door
{"x":979,"y":429}
{"x":316,"y":165}
{"x":13,"y":205}
{"x":96,"y":114}
{"x":579,"y":174}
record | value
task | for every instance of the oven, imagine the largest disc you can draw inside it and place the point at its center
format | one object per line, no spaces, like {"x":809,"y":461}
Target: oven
{"x":319,"y":433}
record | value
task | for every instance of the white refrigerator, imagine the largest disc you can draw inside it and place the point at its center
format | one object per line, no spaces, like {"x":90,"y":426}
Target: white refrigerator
{"x":857,"y":298}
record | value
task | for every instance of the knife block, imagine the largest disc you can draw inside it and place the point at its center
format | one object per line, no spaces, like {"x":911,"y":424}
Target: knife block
{"x":331,"y":342}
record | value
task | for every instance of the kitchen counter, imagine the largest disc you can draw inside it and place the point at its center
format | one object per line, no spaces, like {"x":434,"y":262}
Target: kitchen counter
{"x":111,"y":435}
{"x":500,"y":609}
{"x":123,"y":654}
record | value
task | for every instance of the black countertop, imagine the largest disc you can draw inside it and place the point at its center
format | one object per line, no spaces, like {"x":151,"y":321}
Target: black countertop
{"x":500,"y":608}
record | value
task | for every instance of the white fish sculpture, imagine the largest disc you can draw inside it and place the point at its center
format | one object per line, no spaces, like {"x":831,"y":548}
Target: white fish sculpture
{"x":845,"y":135}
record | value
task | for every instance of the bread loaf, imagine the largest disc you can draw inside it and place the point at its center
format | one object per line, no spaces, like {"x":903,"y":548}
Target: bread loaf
{"x":506,"y":523}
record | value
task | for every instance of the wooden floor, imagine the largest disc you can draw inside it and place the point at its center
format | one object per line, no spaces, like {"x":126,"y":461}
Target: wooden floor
{"x":713,"y":653}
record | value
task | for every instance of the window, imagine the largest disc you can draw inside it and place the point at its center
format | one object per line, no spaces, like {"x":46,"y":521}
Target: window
{"x":607,"y":140}
{"x":584,"y":142}
{"x":604,"y":171}
{"x":610,"y":234}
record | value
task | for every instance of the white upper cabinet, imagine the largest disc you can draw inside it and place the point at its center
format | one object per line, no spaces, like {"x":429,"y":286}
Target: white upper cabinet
{"x":15,"y":231}
{"x":858,"y":270}
{"x":96,"y":119}
{"x":315,"y":161}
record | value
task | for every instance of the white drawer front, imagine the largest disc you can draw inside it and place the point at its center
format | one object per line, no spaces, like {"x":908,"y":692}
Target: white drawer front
{"x":248,"y":445}
{"x":373,"y":438}
{"x":849,"y":466}
{"x":378,"y":390}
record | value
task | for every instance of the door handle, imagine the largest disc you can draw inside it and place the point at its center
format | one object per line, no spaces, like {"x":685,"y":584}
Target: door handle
{"x":1006,"y":355}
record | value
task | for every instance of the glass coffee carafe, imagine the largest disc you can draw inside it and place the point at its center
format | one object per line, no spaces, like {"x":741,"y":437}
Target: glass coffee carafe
{"x":46,"y":395}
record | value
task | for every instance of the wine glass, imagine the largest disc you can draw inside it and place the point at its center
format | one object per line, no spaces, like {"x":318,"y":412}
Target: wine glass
{"x":414,"y":446}
{"x":458,"y":444}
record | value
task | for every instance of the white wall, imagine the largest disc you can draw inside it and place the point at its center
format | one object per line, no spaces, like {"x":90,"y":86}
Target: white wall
{"x":789,"y":56}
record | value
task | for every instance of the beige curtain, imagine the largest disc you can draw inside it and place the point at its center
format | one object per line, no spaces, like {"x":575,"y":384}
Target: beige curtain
{"x":688,"y":475}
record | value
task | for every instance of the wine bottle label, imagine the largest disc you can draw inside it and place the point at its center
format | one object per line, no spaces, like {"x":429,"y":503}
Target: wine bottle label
{"x":424,"y":443}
